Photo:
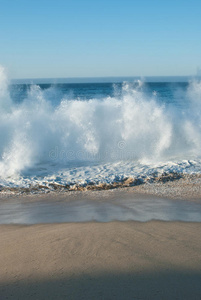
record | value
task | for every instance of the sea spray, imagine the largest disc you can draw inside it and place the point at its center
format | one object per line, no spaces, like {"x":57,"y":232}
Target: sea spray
{"x":51,"y":136}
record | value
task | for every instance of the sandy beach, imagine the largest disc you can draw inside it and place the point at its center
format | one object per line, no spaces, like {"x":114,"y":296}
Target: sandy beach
{"x":102,"y":260}
{"x":118,"y":260}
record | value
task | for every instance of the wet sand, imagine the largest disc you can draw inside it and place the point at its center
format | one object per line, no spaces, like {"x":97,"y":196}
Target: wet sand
{"x":100,"y":206}
{"x":178,"y":200}
{"x":103,"y":260}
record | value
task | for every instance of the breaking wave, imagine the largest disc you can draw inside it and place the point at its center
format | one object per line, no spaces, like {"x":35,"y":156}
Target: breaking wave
{"x":47,"y":132}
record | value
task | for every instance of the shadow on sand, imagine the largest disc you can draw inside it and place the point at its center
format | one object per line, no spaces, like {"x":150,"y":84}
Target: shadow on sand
{"x":161,"y":285}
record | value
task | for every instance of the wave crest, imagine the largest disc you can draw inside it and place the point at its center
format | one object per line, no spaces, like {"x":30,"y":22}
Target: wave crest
{"x":42,"y":132}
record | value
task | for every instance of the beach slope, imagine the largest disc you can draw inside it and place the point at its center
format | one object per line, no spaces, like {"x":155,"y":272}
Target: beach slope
{"x":116,"y":260}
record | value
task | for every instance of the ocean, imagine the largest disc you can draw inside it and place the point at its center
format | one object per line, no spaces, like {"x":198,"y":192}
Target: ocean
{"x":97,"y":134}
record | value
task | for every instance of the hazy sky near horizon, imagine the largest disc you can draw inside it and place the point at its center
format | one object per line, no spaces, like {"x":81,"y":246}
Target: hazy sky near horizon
{"x":87,"y":38}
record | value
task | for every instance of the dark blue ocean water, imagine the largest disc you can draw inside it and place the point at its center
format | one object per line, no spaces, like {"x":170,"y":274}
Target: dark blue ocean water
{"x":167,"y":92}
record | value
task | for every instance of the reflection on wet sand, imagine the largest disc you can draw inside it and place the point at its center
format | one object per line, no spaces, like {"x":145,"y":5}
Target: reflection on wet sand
{"x":82,"y":209}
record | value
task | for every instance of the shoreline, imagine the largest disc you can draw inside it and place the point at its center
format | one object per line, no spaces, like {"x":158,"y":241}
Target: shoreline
{"x":170,"y":201}
{"x":172,"y":187}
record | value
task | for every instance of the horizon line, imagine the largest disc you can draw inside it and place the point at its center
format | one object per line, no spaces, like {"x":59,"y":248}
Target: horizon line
{"x":102,"y":79}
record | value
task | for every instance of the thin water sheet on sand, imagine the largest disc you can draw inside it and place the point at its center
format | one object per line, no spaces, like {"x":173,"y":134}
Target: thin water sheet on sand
{"x":97,"y":206}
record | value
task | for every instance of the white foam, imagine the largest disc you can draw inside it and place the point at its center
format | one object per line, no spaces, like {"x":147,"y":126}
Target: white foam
{"x":95,"y":140}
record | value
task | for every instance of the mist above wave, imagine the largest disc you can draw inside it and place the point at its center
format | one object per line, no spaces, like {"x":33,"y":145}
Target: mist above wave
{"x":47,"y":130}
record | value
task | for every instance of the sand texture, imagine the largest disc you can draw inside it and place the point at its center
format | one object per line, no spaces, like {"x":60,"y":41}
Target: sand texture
{"x":116,"y":260}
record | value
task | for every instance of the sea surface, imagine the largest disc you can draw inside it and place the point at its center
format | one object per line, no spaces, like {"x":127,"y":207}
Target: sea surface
{"x":75,"y":135}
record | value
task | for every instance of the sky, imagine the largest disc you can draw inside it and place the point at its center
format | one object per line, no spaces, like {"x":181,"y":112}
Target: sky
{"x":97,"y":38}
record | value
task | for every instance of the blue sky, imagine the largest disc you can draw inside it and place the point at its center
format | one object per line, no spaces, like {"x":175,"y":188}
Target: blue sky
{"x":86,"y":38}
